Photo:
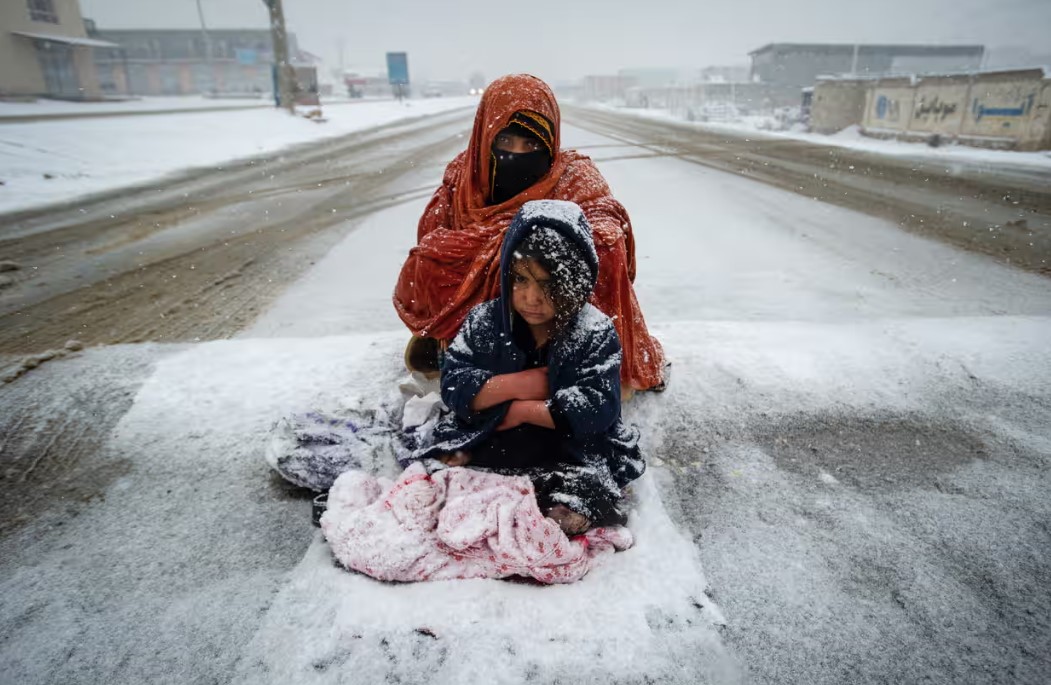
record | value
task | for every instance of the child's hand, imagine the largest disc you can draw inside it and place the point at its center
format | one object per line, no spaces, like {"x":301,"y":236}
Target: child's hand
{"x":527,"y":411}
{"x":513,"y":418}
{"x":531,"y":384}
{"x":458,"y":458}
{"x":521,"y":385}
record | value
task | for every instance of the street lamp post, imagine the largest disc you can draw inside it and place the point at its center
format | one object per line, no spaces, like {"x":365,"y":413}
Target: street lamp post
{"x":207,"y":50}
{"x":285,"y":75}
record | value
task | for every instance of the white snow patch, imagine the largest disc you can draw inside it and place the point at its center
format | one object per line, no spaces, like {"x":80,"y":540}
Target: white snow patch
{"x":556,"y":210}
{"x":827,"y":478}
{"x":45,"y":107}
{"x":643,"y":612}
{"x":328,"y":622}
{"x":51,"y":161}
{"x":851,"y":137}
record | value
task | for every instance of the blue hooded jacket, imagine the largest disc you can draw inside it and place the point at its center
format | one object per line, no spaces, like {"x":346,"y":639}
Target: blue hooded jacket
{"x":583,"y":366}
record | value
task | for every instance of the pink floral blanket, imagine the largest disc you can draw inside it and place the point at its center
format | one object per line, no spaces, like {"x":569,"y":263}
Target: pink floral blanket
{"x":455,"y":523}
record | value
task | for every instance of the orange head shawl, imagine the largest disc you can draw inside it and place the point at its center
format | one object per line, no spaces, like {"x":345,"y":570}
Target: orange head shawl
{"x":501,"y":100}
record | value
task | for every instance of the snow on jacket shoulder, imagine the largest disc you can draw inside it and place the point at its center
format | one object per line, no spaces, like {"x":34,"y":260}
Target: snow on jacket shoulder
{"x":589,"y":357}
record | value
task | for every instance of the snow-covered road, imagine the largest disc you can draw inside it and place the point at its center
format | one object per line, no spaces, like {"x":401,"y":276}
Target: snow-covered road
{"x":198,"y":256}
{"x":53,"y":160}
{"x":852,"y":457}
{"x":998,"y":204}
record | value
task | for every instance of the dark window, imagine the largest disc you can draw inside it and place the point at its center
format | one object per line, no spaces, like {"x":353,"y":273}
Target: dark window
{"x":43,"y":10}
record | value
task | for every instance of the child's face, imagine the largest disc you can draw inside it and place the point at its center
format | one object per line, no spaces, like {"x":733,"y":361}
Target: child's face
{"x":529,"y":297}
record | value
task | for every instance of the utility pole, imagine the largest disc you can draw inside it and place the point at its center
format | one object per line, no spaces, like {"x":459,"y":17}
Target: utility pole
{"x":207,"y":50}
{"x":286,"y":77}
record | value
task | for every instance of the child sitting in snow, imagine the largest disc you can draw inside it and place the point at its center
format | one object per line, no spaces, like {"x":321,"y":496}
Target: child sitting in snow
{"x":533,"y":377}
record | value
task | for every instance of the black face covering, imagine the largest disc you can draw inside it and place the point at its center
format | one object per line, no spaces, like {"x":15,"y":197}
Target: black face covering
{"x":517,"y":171}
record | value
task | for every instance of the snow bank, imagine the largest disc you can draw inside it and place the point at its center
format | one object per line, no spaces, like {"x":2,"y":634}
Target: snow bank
{"x":52,"y":161}
{"x":643,"y":612}
{"x":851,"y":137}
{"x":45,"y":107}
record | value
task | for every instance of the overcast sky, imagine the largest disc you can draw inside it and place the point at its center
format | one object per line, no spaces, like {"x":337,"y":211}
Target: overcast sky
{"x":565,"y":39}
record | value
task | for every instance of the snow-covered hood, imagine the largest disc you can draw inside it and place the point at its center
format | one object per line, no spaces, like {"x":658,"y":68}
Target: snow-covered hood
{"x":567,"y":219}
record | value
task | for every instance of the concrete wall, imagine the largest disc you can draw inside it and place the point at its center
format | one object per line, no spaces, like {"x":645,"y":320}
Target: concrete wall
{"x":837,"y":105}
{"x":1015,"y":106}
{"x":939,"y":104}
{"x":1010,"y":109}
{"x":20,"y":71}
{"x":888,"y":104}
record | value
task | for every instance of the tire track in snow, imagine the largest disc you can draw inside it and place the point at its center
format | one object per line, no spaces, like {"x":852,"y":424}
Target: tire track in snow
{"x":1005,"y":216}
{"x":194,"y":294}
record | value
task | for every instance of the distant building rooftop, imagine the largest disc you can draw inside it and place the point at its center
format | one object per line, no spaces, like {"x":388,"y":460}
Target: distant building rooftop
{"x":882,"y":47}
{"x":1027,"y":72}
{"x":799,"y":64}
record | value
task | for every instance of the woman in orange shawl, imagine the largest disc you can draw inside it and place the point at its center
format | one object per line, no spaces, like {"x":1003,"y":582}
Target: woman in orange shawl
{"x":455,"y":264}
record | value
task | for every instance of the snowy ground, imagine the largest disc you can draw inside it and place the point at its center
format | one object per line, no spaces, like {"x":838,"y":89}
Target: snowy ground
{"x":63,"y":108}
{"x":852,"y":460}
{"x":46,"y":108}
{"x":50,"y":161}
{"x":851,"y":137}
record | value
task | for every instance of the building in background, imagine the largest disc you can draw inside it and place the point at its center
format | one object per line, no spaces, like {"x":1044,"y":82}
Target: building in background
{"x":182,"y":62}
{"x":1015,"y":57}
{"x":45,"y":50}
{"x":624,"y":86}
{"x":799,"y":64}
{"x":365,"y":82}
{"x":736,"y":73}
{"x":652,"y":77}
{"x":437,"y":89}
{"x":605,"y":87}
